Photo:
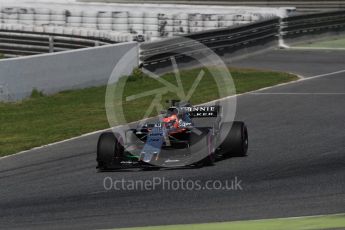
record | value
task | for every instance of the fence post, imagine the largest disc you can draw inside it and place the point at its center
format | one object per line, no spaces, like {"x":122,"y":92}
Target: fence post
{"x":51,"y":44}
{"x":281,"y":34}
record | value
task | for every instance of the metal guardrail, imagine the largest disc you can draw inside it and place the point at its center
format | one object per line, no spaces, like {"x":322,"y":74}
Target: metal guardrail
{"x":307,"y":24}
{"x":235,"y":38}
{"x":19,"y":43}
{"x":302,"y":5}
{"x":225,"y":40}
{"x":228,"y":38}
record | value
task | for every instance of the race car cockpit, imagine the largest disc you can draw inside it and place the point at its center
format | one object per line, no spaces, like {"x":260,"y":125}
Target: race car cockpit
{"x":177,"y":118}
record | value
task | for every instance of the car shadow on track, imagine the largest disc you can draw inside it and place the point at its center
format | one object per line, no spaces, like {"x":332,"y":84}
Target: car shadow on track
{"x":150,"y":169}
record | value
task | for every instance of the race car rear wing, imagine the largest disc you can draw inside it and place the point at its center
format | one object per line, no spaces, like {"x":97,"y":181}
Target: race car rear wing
{"x":202,"y":111}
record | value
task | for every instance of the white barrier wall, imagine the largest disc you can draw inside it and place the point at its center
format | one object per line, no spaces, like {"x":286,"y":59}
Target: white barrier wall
{"x":55,"y":72}
{"x":153,"y":21}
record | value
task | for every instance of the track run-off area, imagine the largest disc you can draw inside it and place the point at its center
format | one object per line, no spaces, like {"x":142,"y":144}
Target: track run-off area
{"x":295,"y":164}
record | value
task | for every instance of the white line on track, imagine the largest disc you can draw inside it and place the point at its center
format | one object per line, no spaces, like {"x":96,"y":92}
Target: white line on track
{"x":324,"y":75}
{"x":247,"y":93}
{"x":301,"y":78}
{"x":97,"y":192}
{"x":330,"y":94}
{"x":297,"y":217}
{"x":259,"y":92}
{"x":315,"y":48}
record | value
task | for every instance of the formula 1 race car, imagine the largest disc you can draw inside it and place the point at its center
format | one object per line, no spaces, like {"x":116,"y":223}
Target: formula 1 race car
{"x":184,"y":135}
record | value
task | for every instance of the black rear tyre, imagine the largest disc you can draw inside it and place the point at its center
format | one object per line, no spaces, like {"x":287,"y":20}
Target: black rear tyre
{"x":235,"y":139}
{"x":109,"y":151}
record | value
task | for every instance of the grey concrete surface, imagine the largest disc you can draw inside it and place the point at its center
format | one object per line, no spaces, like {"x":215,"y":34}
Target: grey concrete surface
{"x":55,"y":72}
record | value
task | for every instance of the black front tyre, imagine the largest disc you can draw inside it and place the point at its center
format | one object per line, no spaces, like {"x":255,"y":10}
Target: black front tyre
{"x":109,"y":151}
{"x":235,"y":139}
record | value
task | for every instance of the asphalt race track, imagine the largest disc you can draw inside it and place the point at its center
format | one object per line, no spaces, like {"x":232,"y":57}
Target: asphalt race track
{"x":302,"y":62}
{"x":296,"y":165}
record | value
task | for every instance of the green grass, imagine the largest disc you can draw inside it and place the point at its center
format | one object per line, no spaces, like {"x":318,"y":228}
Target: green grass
{"x":44,"y":119}
{"x":303,"y":223}
{"x":332,"y":43}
